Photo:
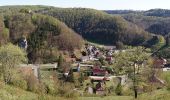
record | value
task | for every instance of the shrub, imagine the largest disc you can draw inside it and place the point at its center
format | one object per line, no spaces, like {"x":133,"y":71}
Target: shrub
{"x":119,"y":45}
{"x":66,"y":90}
{"x":110,"y":89}
{"x":51,"y":87}
{"x":118,"y":89}
{"x":21,"y":83}
{"x":18,"y":81}
{"x":34,"y":85}
{"x":71,"y":77}
{"x":102,"y":61}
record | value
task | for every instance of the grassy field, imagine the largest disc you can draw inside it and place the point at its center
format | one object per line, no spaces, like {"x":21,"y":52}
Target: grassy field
{"x":107,"y":98}
{"x":11,"y":93}
{"x":161,"y":94}
{"x":8,"y":92}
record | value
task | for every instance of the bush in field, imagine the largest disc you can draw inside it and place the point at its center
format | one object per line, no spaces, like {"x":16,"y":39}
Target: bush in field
{"x":119,"y":45}
{"x":34,"y":85}
{"x":32,"y":82}
{"x":40,"y":88}
{"x":168,"y":83}
{"x":81,"y":79}
{"x":66,"y":90}
{"x":51,"y":86}
{"x":103,"y":61}
{"x":118,"y":89}
{"x":19,"y":82}
{"x":60,"y":62}
{"x":71,"y":76}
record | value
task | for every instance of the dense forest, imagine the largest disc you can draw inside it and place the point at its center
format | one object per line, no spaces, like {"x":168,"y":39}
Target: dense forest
{"x":100,"y":27}
{"x":45,"y":35}
{"x":155,"y":21}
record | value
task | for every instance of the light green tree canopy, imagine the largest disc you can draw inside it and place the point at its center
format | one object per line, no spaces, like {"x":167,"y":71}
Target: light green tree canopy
{"x":130,"y":62}
{"x":10,"y":57}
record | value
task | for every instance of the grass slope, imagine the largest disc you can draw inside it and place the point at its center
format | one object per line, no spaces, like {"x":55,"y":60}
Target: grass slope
{"x":8,"y":92}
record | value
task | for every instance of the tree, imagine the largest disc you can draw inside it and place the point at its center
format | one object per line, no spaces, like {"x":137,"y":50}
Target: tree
{"x":168,"y":40}
{"x":131,"y":63}
{"x":118,"y":89}
{"x":60,"y":62}
{"x":71,"y":76}
{"x":10,"y":57}
{"x":119,"y":45}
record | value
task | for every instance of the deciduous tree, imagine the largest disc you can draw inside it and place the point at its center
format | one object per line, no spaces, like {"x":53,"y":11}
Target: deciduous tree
{"x":10,"y":57}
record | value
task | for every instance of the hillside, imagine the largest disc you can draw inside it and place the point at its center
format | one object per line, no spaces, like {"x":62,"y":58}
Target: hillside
{"x":129,"y":27}
{"x":156,"y":21}
{"x":151,"y":12}
{"x":8,"y":92}
{"x":97,"y":26}
{"x":93,"y":25}
{"x":45,"y":35}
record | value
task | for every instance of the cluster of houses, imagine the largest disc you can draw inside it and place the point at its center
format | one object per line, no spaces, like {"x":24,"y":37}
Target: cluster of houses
{"x":93,"y":53}
{"x":97,"y":74}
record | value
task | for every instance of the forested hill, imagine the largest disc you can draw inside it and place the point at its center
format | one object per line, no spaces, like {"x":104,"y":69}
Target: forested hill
{"x":49,"y":29}
{"x":100,"y":27}
{"x":151,"y":12}
{"x":155,"y":20}
{"x":45,"y":35}
{"x":92,"y":25}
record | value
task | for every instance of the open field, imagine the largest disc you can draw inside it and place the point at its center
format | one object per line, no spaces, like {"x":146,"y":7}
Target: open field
{"x":161,"y":94}
{"x":107,"y":98}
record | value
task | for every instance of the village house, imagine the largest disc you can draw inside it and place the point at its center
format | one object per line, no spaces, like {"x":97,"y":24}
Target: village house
{"x":166,"y":67}
{"x":85,"y":58}
{"x":159,"y":62}
{"x":109,"y":47}
{"x":99,"y":72}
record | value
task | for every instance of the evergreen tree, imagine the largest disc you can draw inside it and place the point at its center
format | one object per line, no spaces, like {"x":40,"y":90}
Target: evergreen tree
{"x":71,"y":76}
{"x":60,"y":62}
